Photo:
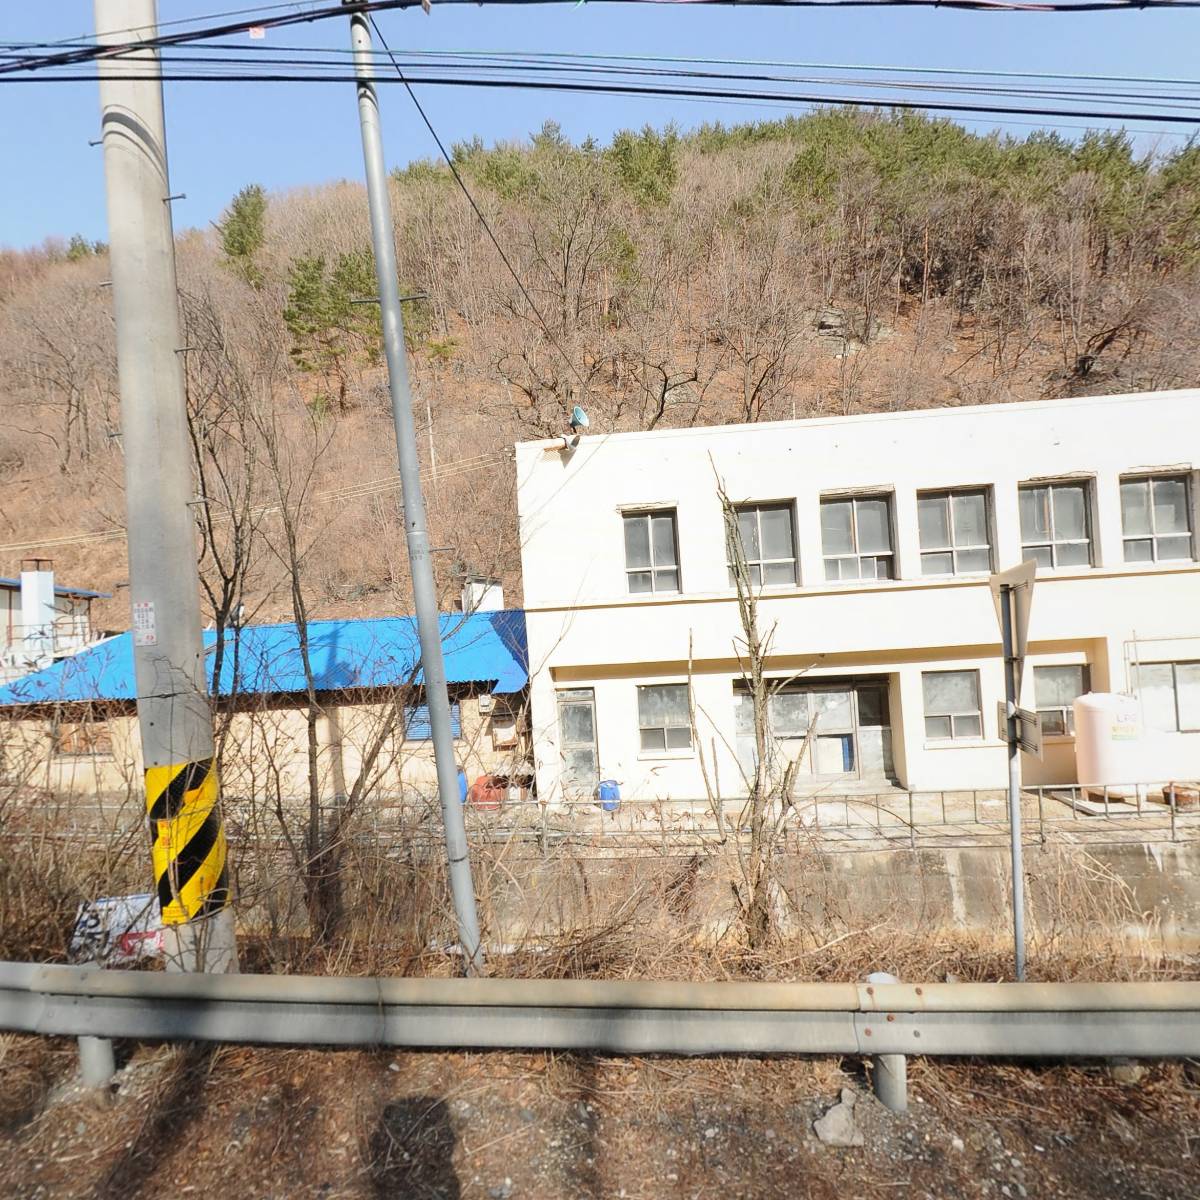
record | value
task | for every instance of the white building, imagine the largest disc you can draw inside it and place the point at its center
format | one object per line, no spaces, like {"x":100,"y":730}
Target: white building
{"x":873,"y":537}
{"x":41,"y":621}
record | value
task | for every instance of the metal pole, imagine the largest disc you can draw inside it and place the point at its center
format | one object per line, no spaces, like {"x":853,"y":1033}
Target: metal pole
{"x":96,"y":1064}
{"x":424,"y":595}
{"x":889,"y":1072}
{"x":182,"y":791}
{"x":1014,"y":779}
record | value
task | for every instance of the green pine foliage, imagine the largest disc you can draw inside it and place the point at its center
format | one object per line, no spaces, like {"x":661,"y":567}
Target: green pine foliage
{"x":243,"y":230}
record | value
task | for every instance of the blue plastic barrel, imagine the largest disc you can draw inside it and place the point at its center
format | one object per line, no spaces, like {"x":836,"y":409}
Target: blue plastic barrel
{"x":462,"y":786}
{"x":609,"y":794}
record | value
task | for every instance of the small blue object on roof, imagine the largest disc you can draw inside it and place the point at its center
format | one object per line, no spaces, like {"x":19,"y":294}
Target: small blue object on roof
{"x":486,"y":648}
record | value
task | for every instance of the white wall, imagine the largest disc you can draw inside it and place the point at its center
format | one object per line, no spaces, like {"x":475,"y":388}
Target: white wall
{"x":585,"y":630}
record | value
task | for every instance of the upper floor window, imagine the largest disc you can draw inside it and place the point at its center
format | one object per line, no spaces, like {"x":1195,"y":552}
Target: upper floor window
{"x":1170,"y":695}
{"x":952,"y":709}
{"x":651,"y":551}
{"x":1055,"y":690}
{"x":664,"y":721}
{"x":856,"y":537}
{"x":1055,"y":526}
{"x":768,"y":544}
{"x":1156,"y":518}
{"x":954,"y":532}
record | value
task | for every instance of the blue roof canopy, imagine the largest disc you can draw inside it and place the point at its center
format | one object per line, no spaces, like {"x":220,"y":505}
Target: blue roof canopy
{"x":487,"y":648}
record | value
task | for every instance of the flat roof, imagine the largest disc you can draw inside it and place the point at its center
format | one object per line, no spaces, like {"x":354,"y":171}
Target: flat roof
{"x":61,"y":590}
{"x":908,"y":414}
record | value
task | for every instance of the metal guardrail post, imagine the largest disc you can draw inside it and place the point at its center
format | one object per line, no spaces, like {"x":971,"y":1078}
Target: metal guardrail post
{"x":1041,"y":815}
{"x":96,"y":1063}
{"x":889,"y":1072}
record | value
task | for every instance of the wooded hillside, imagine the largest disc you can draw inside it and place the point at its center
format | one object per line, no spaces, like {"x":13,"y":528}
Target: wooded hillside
{"x":837,"y":263}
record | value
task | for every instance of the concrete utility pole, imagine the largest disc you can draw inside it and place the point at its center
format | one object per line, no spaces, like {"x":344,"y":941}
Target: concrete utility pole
{"x":182,"y":791}
{"x":424,"y":594}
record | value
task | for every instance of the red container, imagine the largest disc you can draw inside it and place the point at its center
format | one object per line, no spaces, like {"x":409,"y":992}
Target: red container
{"x":487,"y":793}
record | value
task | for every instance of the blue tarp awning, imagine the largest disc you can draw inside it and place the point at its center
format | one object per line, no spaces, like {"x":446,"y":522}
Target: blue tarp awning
{"x":486,"y":648}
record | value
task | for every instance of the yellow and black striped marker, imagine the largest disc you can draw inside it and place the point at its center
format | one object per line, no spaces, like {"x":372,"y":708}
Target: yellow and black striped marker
{"x":189,"y":842}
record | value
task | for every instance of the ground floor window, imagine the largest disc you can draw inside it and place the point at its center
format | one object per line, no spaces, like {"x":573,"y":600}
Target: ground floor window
{"x":664,"y":722}
{"x":1170,"y":695}
{"x":77,"y":738}
{"x":836,"y":728}
{"x":952,"y":709}
{"x":1055,"y":690}
{"x":417,"y":726}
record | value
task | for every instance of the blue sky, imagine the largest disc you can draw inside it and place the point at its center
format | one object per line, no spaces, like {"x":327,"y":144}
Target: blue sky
{"x":223,"y":136}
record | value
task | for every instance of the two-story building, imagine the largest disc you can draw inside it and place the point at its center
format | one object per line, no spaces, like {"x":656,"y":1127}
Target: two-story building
{"x":871,"y":540}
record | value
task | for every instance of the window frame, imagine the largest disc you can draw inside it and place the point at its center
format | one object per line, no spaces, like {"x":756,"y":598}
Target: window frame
{"x":757,"y":507}
{"x":417,"y":713}
{"x":1187,"y":662}
{"x":1066,"y":711}
{"x":648,"y":514}
{"x":84,"y":738}
{"x":953,"y":549}
{"x":1052,"y":542}
{"x":666,"y":749}
{"x":953,"y":714}
{"x":1149,"y":478}
{"x":853,"y":499}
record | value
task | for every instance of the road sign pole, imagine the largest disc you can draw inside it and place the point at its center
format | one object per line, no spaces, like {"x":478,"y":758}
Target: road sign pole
{"x":1007,"y":591}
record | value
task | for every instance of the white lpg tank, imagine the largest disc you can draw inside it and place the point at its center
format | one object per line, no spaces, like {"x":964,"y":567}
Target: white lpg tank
{"x":1111,"y":748}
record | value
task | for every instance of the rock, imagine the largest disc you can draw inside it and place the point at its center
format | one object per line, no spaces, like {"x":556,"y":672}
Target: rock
{"x":956,"y":1143}
{"x":1124,"y":1070}
{"x":838,"y":1127}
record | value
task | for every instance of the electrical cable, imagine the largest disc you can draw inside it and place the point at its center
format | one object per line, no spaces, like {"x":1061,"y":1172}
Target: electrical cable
{"x":262,"y":19}
{"x":645,"y":90}
{"x":478,"y":211}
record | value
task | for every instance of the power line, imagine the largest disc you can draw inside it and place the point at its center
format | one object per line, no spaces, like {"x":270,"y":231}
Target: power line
{"x":646,"y":90}
{"x":357,"y":491}
{"x":478,"y":211}
{"x":261,"y":17}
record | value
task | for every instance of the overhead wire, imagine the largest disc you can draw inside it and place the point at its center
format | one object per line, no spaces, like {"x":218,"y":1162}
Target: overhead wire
{"x":477,"y":210}
{"x":389,"y":483}
{"x":262,"y":17}
{"x":616,"y":88}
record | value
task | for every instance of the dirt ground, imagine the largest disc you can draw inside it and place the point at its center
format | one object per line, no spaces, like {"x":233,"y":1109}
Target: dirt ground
{"x":247,"y":1122}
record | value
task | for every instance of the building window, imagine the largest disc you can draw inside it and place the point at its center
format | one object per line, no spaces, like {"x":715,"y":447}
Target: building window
{"x":651,"y":552}
{"x":663,"y":718}
{"x":1055,"y":526}
{"x":417,"y":727}
{"x":1055,"y":690}
{"x":1170,"y":695}
{"x":954,"y":532}
{"x":856,"y":537}
{"x":79,"y":738}
{"x":504,"y":726}
{"x":1156,"y":518}
{"x":768,"y":544}
{"x":952,"y":709}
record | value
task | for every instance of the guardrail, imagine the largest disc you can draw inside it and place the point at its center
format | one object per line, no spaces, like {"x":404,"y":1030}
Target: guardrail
{"x":1056,"y":1020}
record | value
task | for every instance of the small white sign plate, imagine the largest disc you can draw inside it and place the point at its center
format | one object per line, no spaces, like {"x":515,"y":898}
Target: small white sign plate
{"x":145,"y":631}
